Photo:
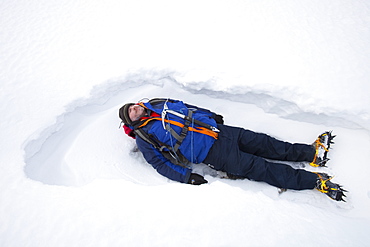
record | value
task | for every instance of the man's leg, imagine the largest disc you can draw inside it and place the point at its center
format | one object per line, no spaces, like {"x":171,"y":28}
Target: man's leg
{"x":255,"y":168}
{"x":276,"y":174}
{"x":225,"y":155}
{"x":265,"y":146}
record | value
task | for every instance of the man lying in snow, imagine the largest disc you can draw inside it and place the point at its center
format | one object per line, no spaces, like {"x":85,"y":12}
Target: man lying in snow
{"x":172,"y":134}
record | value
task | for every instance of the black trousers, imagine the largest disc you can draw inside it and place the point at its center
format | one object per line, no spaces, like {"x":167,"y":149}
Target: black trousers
{"x":243,"y":153}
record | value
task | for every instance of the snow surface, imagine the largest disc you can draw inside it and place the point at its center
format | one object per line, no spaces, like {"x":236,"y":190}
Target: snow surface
{"x":70,"y":177}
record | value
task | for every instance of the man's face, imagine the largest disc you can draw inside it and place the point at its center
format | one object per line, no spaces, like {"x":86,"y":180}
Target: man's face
{"x":135,"y":112}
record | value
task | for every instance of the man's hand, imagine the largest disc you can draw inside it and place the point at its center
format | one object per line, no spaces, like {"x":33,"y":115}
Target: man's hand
{"x":196,"y":179}
{"x":219,"y":119}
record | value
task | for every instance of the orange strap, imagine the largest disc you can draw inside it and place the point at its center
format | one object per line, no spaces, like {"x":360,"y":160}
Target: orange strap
{"x":142,"y":105}
{"x":201,"y":130}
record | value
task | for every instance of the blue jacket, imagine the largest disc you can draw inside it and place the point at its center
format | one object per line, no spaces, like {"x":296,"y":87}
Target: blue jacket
{"x":194,"y":147}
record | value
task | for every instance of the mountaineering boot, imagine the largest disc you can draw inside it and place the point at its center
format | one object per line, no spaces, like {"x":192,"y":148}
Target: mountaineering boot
{"x":322,"y":146}
{"x":332,"y":190}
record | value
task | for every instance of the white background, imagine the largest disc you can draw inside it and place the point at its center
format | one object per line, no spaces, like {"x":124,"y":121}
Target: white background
{"x":68,"y":175}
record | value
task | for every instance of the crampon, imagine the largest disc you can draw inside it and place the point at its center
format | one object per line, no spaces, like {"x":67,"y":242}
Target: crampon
{"x":332,"y":190}
{"x":322,"y":146}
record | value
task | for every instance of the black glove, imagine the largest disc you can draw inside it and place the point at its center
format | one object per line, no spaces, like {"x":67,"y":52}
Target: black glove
{"x":219,"y":119}
{"x":234,"y":177}
{"x":196,"y":179}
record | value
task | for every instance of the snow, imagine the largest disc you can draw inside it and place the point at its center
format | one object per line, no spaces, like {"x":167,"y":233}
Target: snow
{"x":70,"y":177}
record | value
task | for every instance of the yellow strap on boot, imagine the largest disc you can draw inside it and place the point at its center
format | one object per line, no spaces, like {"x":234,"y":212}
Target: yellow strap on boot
{"x":317,"y":145}
{"x":323,"y":187}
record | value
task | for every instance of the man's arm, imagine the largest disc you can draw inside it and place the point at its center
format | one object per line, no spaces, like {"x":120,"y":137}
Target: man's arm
{"x":219,"y":118}
{"x":161,"y":164}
